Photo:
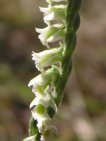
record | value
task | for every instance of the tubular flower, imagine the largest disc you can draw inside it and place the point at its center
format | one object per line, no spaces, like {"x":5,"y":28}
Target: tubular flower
{"x":40,"y":111}
{"x":47,"y":57}
{"x":51,"y":33}
{"x":57,"y":12}
{"x":41,"y":82}
{"x":54,"y":64}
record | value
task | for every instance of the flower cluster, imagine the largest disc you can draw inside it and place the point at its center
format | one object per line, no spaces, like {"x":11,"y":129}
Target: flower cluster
{"x":48,"y":62}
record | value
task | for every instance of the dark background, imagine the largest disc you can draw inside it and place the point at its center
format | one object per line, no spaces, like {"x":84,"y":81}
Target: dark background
{"x":82,"y":116}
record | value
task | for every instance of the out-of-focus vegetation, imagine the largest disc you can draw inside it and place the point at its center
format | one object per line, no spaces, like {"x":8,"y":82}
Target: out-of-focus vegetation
{"x":82,"y":116}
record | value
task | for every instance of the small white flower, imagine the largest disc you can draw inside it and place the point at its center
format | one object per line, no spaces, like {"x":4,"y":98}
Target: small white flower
{"x":42,"y":120}
{"x":47,"y":58}
{"x":40,"y":82}
{"x":44,"y":101}
{"x":57,"y":12}
{"x":39,"y":100}
{"x":39,"y":112}
{"x":51,"y":33}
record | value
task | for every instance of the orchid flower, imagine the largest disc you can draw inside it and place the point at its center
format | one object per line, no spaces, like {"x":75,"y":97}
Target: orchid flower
{"x":47,"y":58}
{"x":40,"y":82}
{"x":51,"y":34}
{"x":54,"y":13}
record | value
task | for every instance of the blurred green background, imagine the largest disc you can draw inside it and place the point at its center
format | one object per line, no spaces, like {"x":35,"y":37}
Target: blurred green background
{"x":82,"y":115}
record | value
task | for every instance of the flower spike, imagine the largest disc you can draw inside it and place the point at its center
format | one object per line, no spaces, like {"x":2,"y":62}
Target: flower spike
{"x":54,"y":64}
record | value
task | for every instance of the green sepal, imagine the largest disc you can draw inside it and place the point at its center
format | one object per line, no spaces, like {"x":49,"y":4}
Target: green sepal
{"x":50,"y":111}
{"x":33,"y":129}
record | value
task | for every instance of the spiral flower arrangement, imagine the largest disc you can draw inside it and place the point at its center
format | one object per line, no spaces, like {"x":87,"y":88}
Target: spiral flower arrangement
{"x":55,"y":63}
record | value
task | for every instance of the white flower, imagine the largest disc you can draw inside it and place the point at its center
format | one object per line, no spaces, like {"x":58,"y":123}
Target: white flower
{"x":47,"y":58}
{"x":51,"y":33}
{"x":45,"y":101}
{"x":40,"y":82}
{"x":40,"y":100}
{"x":39,"y":112}
{"x":57,"y":12}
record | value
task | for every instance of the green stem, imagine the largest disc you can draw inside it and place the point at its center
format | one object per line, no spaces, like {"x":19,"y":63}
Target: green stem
{"x":72,"y":25}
